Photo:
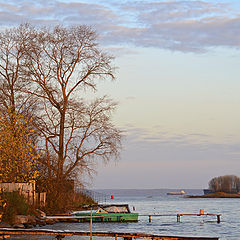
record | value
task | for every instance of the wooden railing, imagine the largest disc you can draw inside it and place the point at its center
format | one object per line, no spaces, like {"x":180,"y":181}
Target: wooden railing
{"x":182,"y":214}
{"x":5,"y":233}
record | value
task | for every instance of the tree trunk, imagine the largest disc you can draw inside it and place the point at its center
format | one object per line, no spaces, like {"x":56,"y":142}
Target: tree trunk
{"x":61,"y":146}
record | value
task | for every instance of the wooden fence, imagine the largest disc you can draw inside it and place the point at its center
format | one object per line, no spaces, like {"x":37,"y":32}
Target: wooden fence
{"x":28,"y":190}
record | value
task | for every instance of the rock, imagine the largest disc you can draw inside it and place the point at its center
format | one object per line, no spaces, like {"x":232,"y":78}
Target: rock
{"x":49,"y":221}
{"x":27,"y":221}
{"x":20,"y":219}
{"x":40,"y":222}
{"x":18,"y":225}
{"x":32,"y":220}
{"x":4,"y":225}
{"x":40,"y":214}
{"x":28,"y":225}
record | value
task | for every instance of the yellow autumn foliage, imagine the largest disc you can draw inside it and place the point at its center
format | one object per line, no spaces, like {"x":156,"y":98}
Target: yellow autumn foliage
{"x":18,"y":156}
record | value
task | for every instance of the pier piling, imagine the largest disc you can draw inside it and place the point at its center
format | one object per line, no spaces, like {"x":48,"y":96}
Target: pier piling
{"x":59,"y":237}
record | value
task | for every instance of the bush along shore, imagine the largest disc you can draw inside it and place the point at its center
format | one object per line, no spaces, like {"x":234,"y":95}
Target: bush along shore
{"x":17,"y":213}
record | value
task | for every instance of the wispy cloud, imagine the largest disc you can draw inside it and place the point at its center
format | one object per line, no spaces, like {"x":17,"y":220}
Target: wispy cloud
{"x":186,"y":152}
{"x":188,"y":26}
{"x":167,"y":160}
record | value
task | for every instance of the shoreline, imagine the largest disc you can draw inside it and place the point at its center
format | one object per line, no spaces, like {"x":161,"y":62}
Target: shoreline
{"x":216,"y":195}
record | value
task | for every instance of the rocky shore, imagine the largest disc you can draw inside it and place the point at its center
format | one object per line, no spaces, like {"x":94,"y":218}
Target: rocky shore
{"x":29,"y":221}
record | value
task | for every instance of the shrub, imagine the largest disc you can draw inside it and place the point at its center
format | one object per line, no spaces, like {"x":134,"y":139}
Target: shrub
{"x":81,"y":200}
{"x":15,"y":205}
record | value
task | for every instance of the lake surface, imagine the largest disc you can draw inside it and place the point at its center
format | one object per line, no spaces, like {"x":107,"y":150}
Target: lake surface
{"x":158,"y":202}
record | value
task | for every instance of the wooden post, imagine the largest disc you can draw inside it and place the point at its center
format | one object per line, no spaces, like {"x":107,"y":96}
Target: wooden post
{"x":178,"y":217}
{"x":91,"y":226}
{"x":28,"y":197}
{"x":218,"y":219}
{"x":59,"y":237}
{"x":3,"y":237}
{"x":150,"y":218}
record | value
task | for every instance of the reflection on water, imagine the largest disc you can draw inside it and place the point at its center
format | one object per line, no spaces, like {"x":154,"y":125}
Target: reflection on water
{"x":160,"y":203}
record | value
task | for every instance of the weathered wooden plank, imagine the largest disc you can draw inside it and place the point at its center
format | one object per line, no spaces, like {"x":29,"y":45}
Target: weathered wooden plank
{"x":98,"y":234}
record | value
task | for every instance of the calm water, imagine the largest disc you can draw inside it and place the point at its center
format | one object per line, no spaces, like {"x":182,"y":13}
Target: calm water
{"x":158,"y":202}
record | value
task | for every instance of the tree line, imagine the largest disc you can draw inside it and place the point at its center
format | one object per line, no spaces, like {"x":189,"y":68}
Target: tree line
{"x":227,"y":184}
{"x":48,"y":131}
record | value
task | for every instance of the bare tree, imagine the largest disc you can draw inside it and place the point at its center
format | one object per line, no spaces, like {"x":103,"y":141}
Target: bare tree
{"x":227,"y":183}
{"x":61,"y":63}
{"x":12,"y":79}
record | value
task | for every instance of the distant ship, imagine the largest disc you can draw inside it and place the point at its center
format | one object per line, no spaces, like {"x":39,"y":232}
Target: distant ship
{"x":177,"y":193}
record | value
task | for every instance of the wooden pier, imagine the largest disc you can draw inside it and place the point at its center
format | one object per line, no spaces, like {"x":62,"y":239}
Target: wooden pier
{"x":178,"y":216}
{"x":150,"y":216}
{"x":59,"y":234}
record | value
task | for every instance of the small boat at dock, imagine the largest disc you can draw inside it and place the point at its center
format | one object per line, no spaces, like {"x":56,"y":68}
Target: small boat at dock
{"x":177,"y":193}
{"x":108,"y":213}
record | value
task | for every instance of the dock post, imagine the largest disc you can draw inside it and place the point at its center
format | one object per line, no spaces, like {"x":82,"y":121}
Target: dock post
{"x":91,"y":226}
{"x":4,"y":237}
{"x":178,"y":217}
{"x":59,"y":237}
{"x":218,"y":219}
{"x":150,"y":218}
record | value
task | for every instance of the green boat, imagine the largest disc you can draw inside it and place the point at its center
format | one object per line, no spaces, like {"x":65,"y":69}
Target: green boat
{"x":108,"y":213}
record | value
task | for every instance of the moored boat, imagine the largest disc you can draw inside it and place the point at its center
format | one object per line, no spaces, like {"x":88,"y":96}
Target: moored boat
{"x":177,"y":193}
{"x":109,"y":213}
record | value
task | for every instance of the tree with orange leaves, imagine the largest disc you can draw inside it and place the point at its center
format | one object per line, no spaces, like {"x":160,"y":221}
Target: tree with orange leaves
{"x":18,"y":156}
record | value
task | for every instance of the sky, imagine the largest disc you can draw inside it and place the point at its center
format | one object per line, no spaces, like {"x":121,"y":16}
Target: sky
{"x":177,"y":84}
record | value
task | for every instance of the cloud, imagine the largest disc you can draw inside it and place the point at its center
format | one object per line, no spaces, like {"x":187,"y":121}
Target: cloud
{"x":187,"y":26}
{"x":157,"y":135}
{"x":189,"y":146}
{"x":168,"y":160}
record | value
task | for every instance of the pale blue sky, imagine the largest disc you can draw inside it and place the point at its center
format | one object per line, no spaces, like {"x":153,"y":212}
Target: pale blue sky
{"x":177,"y":84}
